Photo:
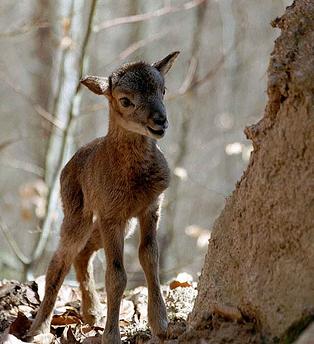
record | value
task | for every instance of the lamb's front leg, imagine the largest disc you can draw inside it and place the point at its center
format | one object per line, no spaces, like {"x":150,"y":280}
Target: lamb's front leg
{"x":116,"y":279}
{"x":149,"y":259}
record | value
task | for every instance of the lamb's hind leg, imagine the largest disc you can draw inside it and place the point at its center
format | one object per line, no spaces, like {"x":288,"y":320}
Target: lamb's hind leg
{"x":149,"y":259}
{"x":91,"y":308}
{"x":74,"y":234}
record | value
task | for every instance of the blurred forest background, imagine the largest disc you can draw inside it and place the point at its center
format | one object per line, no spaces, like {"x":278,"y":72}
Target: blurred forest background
{"x":216,"y":88}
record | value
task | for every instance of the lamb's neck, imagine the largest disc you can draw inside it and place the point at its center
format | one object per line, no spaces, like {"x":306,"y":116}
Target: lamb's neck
{"x":128,"y":145}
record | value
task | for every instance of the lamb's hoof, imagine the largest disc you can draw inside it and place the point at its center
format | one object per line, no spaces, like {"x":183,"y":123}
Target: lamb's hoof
{"x":40,"y":338}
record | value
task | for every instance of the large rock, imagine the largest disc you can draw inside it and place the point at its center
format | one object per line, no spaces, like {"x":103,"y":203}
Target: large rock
{"x":261,"y":254}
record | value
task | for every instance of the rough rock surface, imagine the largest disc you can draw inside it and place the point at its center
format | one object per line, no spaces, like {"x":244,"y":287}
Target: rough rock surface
{"x":261,"y":254}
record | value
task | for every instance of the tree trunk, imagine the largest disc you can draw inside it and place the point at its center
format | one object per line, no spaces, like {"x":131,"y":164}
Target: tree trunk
{"x":261,"y":253}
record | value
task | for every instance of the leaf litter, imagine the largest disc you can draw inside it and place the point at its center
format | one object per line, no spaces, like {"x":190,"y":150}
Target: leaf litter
{"x":19,"y":303}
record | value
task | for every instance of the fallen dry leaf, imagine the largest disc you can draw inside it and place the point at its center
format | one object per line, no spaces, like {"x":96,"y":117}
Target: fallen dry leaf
{"x":88,"y":328}
{"x":68,"y":318}
{"x":124,"y":323}
{"x":20,"y":325}
{"x":32,"y":296}
{"x":177,"y":284}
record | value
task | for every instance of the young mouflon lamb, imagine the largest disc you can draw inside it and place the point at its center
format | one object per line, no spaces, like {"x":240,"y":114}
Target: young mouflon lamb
{"x":105,"y":184}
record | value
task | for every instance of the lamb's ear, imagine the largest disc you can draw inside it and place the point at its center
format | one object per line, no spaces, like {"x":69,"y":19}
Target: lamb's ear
{"x":97,"y":84}
{"x":165,"y":64}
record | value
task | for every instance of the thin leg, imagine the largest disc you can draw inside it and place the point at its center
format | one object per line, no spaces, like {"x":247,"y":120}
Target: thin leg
{"x":116,"y":279}
{"x":149,"y":259}
{"x":74,"y":234}
{"x":91,"y":308}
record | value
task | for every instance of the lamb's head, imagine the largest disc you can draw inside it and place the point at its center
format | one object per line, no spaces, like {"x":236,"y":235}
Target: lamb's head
{"x":136,"y":93}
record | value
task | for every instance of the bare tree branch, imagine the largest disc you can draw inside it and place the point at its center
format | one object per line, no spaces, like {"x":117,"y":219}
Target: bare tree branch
{"x":53,"y":189}
{"x":23,"y":165}
{"x":6,"y":143}
{"x":171,"y":208}
{"x":38,"y":108}
{"x":13,"y":244}
{"x":28,"y":27}
{"x":167,"y":9}
{"x":190,"y":75}
{"x":132,"y":48}
{"x":66,"y":132}
{"x":92,"y":108}
{"x":140,"y":44}
{"x":191,"y":82}
{"x":48,"y":116}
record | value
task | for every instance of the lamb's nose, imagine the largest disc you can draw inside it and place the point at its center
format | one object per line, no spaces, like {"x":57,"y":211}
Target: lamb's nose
{"x":160,"y":119}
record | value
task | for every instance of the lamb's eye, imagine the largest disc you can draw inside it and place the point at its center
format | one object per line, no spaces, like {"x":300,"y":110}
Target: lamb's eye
{"x":164,"y":91}
{"x":125,"y":102}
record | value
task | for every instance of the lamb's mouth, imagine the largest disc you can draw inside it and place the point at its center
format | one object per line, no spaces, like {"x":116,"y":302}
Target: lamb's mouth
{"x":158,"y":133}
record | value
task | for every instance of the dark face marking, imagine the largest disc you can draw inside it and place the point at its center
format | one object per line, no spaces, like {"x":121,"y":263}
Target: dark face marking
{"x":140,"y":78}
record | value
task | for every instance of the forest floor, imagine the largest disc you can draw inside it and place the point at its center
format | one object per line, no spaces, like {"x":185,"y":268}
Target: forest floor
{"x":19,"y":303}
